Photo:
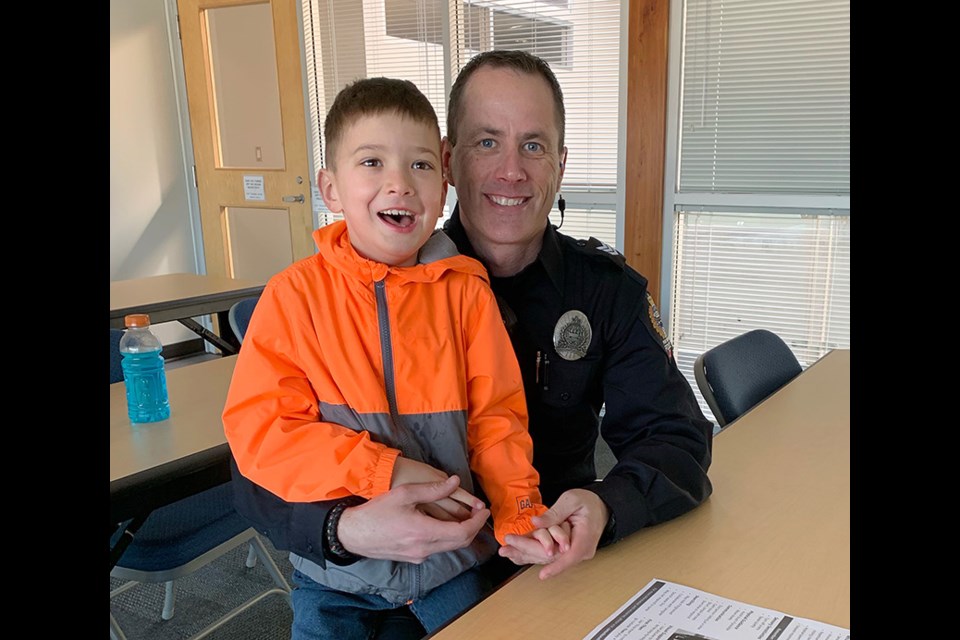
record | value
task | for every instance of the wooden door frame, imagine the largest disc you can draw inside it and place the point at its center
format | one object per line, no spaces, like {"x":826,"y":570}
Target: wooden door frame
{"x":186,"y":133}
{"x":647,"y":67}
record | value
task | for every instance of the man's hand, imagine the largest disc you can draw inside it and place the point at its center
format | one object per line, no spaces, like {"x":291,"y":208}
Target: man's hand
{"x":587,"y":516}
{"x":391,"y":526}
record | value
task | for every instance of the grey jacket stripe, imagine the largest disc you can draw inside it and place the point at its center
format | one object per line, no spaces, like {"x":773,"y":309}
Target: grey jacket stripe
{"x":438,"y":438}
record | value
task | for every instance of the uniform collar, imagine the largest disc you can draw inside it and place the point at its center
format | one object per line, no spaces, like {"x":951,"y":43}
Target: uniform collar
{"x":550,"y":256}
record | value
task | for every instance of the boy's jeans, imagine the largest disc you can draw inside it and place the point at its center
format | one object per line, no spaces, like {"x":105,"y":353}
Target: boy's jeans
{"x":320,"y":613}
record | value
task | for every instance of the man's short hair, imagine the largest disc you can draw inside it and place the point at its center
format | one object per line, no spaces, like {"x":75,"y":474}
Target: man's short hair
{"x":520,"y":61}
{"x":372,"y":96}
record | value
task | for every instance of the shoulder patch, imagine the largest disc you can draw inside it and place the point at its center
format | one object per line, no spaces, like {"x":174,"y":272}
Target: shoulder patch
{"x":651,"y":319}
{"x":600,"y":248}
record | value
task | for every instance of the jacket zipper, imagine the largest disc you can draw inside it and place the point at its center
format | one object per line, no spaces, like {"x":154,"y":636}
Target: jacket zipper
{"x":389,"y":377}
{"x":389,"y":383}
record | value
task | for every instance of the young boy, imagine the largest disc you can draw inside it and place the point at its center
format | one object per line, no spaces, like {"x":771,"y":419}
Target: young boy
{"x":383,"y":360}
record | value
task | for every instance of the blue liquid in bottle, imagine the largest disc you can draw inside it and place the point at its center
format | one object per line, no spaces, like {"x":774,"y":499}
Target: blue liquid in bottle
{"x":146,"y":383}
{"x":143,"y":374}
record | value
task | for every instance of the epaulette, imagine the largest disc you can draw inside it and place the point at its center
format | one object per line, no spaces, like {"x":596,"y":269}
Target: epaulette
{"x":592,"y":246}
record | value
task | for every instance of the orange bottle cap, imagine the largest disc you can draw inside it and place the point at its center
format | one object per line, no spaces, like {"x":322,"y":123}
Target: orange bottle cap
{"x":137,"y":320}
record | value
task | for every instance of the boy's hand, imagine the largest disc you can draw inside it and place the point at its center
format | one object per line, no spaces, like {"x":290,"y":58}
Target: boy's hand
{"x":553,"y":541}
{"x":560,"y":533}
{"x":586,"y":516}
{"x":459,"y":506}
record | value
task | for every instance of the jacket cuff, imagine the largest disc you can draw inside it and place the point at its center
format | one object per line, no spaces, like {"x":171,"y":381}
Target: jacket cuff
{"x":519,"y":525}
{"x":383,"y":474}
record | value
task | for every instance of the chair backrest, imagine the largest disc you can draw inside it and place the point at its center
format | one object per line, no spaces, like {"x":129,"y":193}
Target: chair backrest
{"x":239,"y":315}
{"x":116,"y":371}
{"x":738,"y":374}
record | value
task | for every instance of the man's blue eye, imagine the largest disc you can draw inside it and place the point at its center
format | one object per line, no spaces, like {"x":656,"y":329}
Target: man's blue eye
{"x":486,"y":143}
{"x":532,"y":146}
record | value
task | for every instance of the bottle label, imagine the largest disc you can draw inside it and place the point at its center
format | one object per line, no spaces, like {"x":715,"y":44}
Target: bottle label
{"x":146,"y":386}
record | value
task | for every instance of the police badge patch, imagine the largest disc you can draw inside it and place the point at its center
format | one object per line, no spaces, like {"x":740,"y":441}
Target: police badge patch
{"x":657,"y":325}
{"x":572,"y":335}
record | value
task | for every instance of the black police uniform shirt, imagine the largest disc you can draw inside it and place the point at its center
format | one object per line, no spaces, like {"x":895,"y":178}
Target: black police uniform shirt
{"x":651,"y":420}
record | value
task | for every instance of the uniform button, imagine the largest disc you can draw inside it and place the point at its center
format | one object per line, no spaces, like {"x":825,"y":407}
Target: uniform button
{"x":564,"y":396}
{"x":581,"y":243}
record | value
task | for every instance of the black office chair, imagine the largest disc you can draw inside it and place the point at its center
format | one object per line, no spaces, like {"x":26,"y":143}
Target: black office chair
{"x":738,"y":374}
{"x":239,"y":315}
{"x":180,"y":538}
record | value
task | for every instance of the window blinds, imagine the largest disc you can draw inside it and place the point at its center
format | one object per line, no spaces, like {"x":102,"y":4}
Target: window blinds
{"x":766,"y":97}
{"x":419,"y":39}
{"x":761,"y":225}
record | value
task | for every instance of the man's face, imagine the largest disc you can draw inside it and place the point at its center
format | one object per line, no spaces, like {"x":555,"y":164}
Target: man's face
{"x":506,"y":165}
{"x":388,"y":184}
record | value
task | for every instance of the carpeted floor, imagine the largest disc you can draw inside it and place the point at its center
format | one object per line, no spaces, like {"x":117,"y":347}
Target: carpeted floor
{"x":203,"y":597}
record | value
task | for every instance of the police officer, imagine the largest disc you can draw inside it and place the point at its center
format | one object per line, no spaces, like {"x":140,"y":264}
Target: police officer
{"x":586,"y":333}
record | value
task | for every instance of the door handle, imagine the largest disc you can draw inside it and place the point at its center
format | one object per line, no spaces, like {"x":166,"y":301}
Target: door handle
{"x":296,"y":198}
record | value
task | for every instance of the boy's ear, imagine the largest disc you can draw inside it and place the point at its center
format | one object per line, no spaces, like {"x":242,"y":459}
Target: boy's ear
{"x":328,"y":191}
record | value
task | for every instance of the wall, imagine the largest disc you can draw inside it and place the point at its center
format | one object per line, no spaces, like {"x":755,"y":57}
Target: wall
{"x":151,"y":232}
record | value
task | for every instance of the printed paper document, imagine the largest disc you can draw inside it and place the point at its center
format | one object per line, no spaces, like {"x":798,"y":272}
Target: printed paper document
{"x":667,"y":611}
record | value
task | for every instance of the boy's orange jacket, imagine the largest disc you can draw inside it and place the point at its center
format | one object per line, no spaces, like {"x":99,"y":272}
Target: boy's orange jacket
{"x":347,"y":363}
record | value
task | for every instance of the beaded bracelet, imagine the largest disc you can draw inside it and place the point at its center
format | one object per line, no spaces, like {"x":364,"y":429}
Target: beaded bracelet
{"x":334,"y":546}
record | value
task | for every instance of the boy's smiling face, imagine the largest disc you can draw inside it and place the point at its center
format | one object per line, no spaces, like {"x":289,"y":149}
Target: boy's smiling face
{"x":387,"y":182}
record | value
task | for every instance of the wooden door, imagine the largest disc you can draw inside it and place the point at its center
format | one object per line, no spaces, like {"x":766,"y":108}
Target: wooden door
{"x":245,"y":97}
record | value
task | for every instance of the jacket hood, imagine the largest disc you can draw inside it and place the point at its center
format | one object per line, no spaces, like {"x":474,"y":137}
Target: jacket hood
{"x":435,"y":258}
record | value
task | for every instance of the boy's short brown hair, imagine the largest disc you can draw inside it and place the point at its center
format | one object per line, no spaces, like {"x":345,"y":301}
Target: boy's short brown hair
{"x":371,"y":96}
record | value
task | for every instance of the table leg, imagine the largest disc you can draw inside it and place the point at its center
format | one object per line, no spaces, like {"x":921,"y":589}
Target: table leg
{"x":210,"y":336}
{"x":226,"y":331}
